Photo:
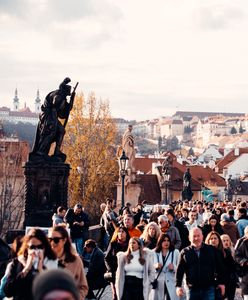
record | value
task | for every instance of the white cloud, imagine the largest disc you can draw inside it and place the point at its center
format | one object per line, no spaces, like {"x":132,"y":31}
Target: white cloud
{"x":151,"y":56}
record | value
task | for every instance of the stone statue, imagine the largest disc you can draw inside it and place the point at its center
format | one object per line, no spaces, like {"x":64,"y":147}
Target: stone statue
{"x":187,"y":178}
{"x":50,"y":128}
{"x":187,"y":193}
{"x":128,"y":147}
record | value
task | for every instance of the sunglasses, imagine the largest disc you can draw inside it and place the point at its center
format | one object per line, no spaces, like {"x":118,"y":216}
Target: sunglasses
{"x":34,"y":247}
{"x":55,"y":239}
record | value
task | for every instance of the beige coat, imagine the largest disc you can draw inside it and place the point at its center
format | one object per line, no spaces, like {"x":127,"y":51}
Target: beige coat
{"x":77,"y":269}
{"x":148,"y":275}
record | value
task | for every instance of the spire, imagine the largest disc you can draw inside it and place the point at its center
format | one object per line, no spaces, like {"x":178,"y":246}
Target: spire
{"x":37,"y":102}
{"x":16,"y":100}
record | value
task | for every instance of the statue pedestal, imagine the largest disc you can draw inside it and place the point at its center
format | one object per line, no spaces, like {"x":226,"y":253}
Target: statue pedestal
{"x":46,"y":189}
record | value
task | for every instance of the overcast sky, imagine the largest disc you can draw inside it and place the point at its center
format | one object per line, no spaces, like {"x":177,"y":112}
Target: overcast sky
{"x":148,"y":58}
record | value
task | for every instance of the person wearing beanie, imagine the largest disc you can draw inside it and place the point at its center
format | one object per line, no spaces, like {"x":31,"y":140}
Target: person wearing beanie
{"x":229,"y":228}
{"x":55,"y":285}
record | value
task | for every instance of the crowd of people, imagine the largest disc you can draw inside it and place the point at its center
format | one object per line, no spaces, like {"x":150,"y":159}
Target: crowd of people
{"x":189,"y":250}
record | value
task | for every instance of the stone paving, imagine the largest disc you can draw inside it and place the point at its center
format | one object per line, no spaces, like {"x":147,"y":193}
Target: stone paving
{"x":107,"y":295}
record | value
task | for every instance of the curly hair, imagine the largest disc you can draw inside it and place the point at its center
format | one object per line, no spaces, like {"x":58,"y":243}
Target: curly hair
{"x":145,"y":235}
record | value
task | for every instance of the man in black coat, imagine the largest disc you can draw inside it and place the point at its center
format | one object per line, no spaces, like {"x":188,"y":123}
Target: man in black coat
{"x":203,"y":268}
{"x":79,"y":223}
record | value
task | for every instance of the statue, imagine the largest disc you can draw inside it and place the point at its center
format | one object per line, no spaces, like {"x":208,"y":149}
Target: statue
{"x":187,"y":193}
{"x":50,"y":128}
{"x":128,"y":147}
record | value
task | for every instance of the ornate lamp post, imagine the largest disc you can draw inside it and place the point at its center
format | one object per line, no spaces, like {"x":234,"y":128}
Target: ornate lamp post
{"x":123,"y":169}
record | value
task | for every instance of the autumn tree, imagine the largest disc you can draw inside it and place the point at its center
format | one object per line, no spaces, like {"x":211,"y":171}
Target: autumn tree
{"x":90,"y":147}
{"x":12,"y":185}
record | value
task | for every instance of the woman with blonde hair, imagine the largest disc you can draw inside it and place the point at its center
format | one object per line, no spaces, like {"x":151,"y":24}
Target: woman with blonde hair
{"x":230,"y":265}
{"x":135,"y":272}
{"x":227,"y":243}
{"x":150,"y":235}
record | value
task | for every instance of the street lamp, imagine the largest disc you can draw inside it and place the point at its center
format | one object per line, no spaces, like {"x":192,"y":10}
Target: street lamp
{"x":123,"y":169}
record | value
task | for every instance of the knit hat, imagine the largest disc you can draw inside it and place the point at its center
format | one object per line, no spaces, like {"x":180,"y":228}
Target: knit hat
{"x":52,"y":280}
{"x":225,"y":218}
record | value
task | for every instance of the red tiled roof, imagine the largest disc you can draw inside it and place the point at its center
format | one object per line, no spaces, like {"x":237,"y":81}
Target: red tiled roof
{"x":150,"y":188}
{"x":144,"y":164}
{"x":176,"y":181}
{"x":177,"y":122}
{"x":206,"y":176}
{"x":200,"y":175}
{"x":229,"y":158}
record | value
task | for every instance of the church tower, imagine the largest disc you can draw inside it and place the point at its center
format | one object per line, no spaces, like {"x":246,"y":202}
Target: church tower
{"x":37,"y":103}
{"x":16,"y":101}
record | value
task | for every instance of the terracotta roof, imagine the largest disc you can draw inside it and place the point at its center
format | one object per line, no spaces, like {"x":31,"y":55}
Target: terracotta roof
{"x":200,"y":175}
{"x":144,"y":164}
{"x":25,"y":109}
{"x":176,"y":181}
{"x":206,"y":176}
{"x":229,"y":158}
{"x":150,"y":188}
{"x":177,"y":122}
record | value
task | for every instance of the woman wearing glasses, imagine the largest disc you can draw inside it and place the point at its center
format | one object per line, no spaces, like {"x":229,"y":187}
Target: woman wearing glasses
{"x":34,"y":256}
{"x":68,"y":258}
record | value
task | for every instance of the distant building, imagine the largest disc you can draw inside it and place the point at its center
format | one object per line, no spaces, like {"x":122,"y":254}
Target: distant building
{"x":172,"y":128}
{"x":121,"y":124}
{"x":202,"y":115}
{"x":24,"y":115}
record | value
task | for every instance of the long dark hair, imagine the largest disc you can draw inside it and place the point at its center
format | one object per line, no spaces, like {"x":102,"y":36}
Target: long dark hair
{"x":115,"y":234}
{"x":160,"y":241}
{"x":70,"y":254}
{"x":40,"y":235}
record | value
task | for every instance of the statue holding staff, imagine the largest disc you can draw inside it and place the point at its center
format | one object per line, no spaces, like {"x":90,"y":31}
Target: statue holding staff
{"x":50,"y":128}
